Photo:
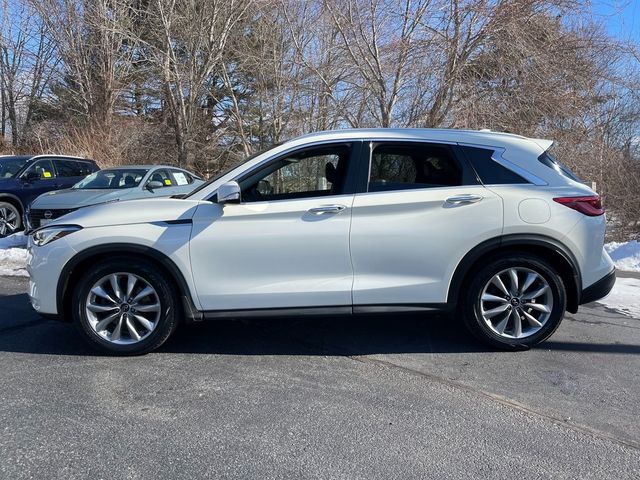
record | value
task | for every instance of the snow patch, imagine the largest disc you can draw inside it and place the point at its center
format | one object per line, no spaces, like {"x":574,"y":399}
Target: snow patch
{"x":13,"y":262}
{"x":625,"y":255}
{"x":625,"y":297}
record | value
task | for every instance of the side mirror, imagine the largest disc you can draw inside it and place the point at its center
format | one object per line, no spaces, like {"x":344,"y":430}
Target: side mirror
{"x":153,"y":185}
{"x":229,"y":193}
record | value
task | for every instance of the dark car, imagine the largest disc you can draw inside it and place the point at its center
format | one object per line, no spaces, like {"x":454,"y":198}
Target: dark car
{"x":25,"y":177}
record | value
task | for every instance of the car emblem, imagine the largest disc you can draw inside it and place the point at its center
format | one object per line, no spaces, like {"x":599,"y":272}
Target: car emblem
{"x":48,"y":214}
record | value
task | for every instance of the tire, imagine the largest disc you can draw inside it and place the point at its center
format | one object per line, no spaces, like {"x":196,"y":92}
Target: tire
{"x":155,"y":319}
{"x":484,"y":296}
{"x":10,"y":219}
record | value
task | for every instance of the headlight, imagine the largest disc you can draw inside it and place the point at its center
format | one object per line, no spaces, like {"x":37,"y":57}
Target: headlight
{"x":49,"y":234}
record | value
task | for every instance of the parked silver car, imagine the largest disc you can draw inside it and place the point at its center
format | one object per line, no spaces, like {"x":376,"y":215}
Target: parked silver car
{"x":109,"y":185}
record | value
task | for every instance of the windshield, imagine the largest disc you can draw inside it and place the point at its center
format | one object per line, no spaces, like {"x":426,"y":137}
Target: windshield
{"x":119,"y":178}
{"x":222,"y":174}
{"x":10,"y":166}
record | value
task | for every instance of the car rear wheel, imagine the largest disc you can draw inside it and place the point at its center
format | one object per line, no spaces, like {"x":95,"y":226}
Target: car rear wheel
{"x":514,"y":302}
{"x":10,"y":221}
{"x":125,"y":307}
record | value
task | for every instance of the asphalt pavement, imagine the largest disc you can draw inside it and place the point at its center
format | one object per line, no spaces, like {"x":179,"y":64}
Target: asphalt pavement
{"x":365,"y":397}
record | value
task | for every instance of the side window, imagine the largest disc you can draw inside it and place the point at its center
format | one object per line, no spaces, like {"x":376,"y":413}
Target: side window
{"x":163,"y":177}
{"x":181,"y":178}
{"x":41,"y":169}
{"x":490,"y":171}
{"x":312,"y":172}
{"x":408,"y":166}
{"x":70,"y":168}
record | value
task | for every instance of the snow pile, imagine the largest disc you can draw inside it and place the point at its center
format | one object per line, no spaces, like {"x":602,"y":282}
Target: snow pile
{"x":13,"y":258}
{"x":625,"y":297}
{"x":625,"y":255}
{"x":13,"y":262}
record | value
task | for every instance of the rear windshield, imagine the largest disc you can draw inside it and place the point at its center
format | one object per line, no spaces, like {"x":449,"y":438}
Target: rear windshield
{"x":552,"y":162}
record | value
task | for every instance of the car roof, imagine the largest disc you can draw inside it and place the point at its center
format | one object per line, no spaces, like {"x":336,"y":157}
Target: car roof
{"x":145,"y":167}
{"x":34,"y":157}
{"x":474,"y":137}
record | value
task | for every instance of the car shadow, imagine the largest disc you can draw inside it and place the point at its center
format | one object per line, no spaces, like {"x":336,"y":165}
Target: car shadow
{"x":26,"y":332}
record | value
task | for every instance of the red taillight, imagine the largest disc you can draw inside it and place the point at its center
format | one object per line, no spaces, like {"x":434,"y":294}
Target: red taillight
{"x":591,"y":206}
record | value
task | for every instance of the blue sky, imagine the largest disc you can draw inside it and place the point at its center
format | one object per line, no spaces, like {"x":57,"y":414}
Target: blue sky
{"x":620,"y":17}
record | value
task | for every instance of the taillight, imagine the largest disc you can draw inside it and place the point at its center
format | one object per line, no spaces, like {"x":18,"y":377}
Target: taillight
{"x":590,"y":206}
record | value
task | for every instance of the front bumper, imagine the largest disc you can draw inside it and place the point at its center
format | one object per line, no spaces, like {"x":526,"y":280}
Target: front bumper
{"x":599,"y":289}
{"x":44,"y":265}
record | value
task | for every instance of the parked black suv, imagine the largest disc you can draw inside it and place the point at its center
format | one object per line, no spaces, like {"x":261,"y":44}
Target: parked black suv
{"x":24,"y":177}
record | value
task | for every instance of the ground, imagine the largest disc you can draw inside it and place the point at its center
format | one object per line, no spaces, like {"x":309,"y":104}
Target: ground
{"x":368,"y":397}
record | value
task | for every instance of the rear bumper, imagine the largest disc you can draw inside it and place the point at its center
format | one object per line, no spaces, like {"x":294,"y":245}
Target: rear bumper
{"x":599,"y":289}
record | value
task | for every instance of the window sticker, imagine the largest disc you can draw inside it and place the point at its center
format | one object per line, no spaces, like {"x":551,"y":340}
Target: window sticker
{"x":181,"y":179}
{"x":46,"y":174}
{"x":167,"y":182}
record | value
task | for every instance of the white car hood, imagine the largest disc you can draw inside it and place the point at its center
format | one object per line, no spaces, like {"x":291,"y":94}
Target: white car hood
{"x":131,"y":212}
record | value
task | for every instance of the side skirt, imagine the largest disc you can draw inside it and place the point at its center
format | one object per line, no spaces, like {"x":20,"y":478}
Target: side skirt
{"x":322,"y":311}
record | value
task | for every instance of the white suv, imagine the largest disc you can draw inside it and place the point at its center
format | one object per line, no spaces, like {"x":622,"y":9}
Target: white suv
{"x":488,"y":226}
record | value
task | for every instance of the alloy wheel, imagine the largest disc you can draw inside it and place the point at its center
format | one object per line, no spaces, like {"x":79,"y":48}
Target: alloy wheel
{"x":8,"y":221}
{"x":123,"y":308}
{"x":516,"y":302}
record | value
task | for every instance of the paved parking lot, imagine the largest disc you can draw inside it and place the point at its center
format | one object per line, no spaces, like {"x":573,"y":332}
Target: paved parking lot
{"x":370,"y":397}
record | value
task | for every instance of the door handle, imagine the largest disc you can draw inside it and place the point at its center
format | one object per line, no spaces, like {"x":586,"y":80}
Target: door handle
{"x":463,"y":199}
{"x":326,"y":209}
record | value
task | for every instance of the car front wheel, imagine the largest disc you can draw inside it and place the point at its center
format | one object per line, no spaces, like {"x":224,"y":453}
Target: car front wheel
{"x":10,"y":221}
{"x":125,"y":307}
{"x":514,"y":302}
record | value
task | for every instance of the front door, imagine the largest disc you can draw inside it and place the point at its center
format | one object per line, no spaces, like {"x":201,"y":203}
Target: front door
{"x":38,"y":179}
{"x":287,"y":243}
{"x":422,"y":212}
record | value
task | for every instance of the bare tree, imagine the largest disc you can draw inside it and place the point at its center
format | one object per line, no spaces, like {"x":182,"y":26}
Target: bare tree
{"x":27,"y":60}
{"x":185,"y":41}
{"x":95,"y":53}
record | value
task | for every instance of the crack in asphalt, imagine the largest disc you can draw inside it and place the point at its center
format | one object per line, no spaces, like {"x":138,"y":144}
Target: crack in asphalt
{"x":505,"y":401}
{"x":493,"y":397}
{"x":601,"y":322}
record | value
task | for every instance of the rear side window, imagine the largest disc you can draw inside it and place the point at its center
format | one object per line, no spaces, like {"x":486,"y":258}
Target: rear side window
{"x":181,"y":178}
{"x":70,"y":168}
{"x":489,"y":171}
{"x":552,"y":162}
{"x":410,"y":166}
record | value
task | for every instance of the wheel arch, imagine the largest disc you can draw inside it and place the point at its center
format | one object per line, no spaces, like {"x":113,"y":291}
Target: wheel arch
{"x":551,"y":250}
{"x":13,"y":200}
{"x":70,"y":274}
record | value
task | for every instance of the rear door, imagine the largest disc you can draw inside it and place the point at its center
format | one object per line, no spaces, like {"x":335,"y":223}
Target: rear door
{"x":422,"y":210}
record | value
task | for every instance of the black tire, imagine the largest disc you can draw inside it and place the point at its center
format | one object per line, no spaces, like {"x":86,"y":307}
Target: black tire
{"x":471,"y":300}
{"x":166,"y":292}
{"x":11,"y":210}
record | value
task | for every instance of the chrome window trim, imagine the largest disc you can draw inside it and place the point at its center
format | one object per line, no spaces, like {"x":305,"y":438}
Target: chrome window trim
{"x":497,"y":157}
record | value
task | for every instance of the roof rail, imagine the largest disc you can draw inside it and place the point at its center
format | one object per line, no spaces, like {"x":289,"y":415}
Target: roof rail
{"x":53,"y":155}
